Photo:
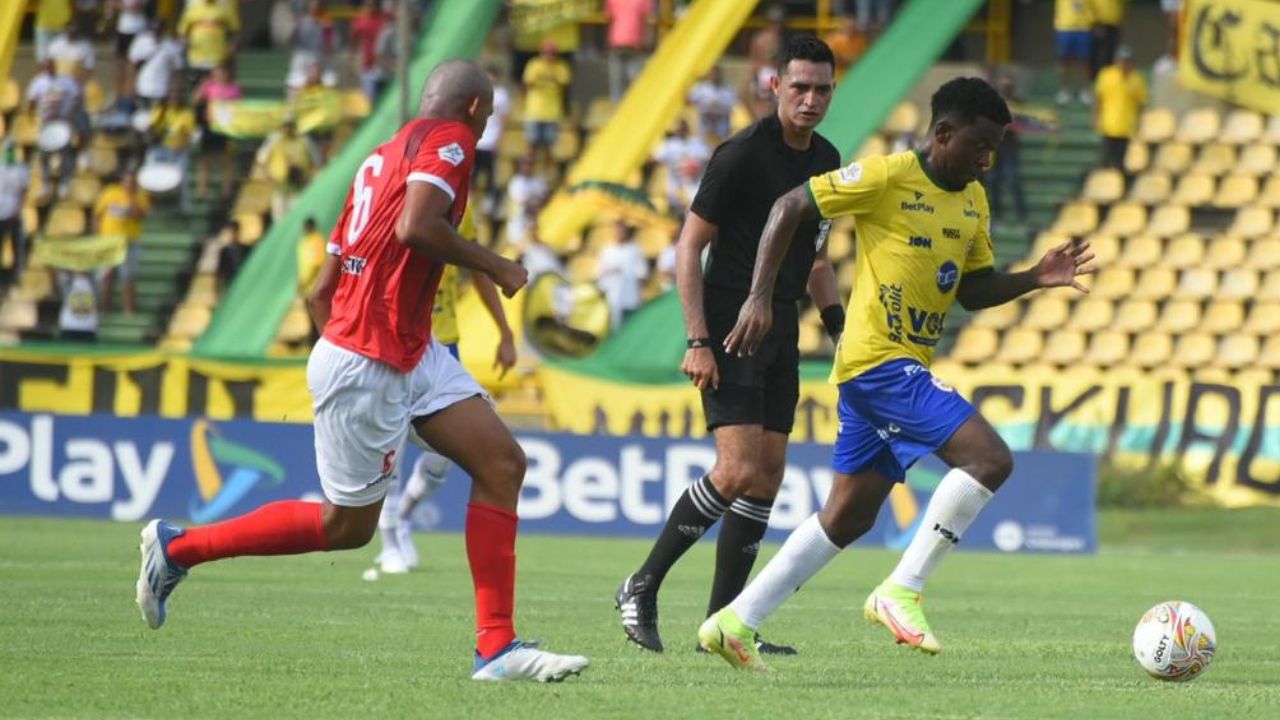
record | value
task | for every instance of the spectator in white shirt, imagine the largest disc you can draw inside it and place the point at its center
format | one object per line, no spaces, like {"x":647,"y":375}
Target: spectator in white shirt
{"x":684,"y":156}
{"x":621,"y":269}
{"x":131,"y":19}
{"x":70,"y":51}
{"x":487,"y":145}
{"x":14,"y":180}
{"x":56,"y":98}
{"x":157,"y":55}
{"x":525,"y":190}
{"x":714,"y":100}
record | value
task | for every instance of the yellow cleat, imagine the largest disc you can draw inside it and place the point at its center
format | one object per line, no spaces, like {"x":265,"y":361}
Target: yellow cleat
{"x":726,"y":635}
{"x":899,"y":609}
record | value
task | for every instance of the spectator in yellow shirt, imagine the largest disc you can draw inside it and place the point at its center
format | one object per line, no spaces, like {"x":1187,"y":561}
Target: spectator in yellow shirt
{"x":290,"y":159}
{"x":120,"y":209}
{"x":1121,"y":93}
{"x":207,"y":26}
{"x":1072,"y":23}
{"x":1108,"y":16}
{"x":545,"y":79}
{"x":311,"y":255}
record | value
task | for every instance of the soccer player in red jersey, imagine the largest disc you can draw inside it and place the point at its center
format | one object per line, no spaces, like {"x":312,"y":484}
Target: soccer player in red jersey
{"x":377,"y":373}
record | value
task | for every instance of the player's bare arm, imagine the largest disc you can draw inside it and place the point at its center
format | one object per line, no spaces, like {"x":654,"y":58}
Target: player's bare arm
{"x":1061,"y":266}
{"x":699,"y":364}
{"x":423,"y":228}
{"x":824,"y":290}
{"x":505,"y":357}
{"x":756,"y":316}
{"x":322,"y":292}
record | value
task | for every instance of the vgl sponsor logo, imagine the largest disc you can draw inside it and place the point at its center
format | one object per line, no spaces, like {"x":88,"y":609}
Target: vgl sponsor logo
{"x":85,"y":469}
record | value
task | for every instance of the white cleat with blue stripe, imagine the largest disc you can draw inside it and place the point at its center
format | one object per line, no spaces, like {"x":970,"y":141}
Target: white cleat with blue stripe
{"x":524,"y":661}
{"x":159,"y":575}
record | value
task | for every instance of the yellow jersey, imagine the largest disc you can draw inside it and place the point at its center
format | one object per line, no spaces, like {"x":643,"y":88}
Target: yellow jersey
{"x":915,"y":241}
{"x":311,"y":254}
{"x":1120,"y":97}
{"x":1072,"y":15}
{"x":112,"y":211}
{"x":206,"y":26}
{"x":546,"y":81}
{"x":444,"y":313}
{"x":1107,"y":12}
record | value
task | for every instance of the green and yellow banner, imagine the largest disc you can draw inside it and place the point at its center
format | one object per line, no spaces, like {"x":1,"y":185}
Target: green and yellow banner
{"x":81,"y":252}
{"x":533,"y":16}
{"x":256,"y":119}
{"x":1231,"y":50}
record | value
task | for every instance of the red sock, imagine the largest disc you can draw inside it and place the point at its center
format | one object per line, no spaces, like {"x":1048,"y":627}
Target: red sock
{"x":287,"y":527}
{"x":491,"y":550}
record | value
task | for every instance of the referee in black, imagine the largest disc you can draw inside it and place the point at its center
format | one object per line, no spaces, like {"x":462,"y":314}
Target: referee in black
{"x":749,"y":402}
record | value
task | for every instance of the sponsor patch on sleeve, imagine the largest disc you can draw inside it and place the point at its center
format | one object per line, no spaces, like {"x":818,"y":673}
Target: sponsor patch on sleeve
{"x":851,"y":173}
{"x":452,"y":154}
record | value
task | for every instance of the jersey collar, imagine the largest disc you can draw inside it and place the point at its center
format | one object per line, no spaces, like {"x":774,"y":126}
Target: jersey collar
{"x":924,"y":167}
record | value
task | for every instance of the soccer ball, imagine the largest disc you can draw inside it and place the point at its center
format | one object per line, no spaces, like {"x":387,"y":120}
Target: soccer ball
{"x":1174,"y":641}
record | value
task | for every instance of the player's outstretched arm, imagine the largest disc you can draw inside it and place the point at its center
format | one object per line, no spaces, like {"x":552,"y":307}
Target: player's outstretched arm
{"x":756,"y":315}
{"x":505,"y":357}
{"x":423,"y":229}
{"x":699,"y":364}
{"x":1062,"y":266}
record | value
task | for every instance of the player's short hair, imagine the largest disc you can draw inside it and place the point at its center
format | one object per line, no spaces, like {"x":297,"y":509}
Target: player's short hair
{"x":968,"y":98}
{"x":805,"y":47}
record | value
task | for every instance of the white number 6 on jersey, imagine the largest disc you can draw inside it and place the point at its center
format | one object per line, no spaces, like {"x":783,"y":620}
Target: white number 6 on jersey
{"x":362,"y":198}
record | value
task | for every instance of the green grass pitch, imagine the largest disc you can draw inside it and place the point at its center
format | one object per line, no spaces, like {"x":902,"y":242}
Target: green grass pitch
{"x":1023,"y":636}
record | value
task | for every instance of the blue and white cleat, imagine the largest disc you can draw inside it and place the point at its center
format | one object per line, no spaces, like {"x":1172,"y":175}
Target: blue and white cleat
{"x":159,"y":575}
{"x":524,"y":661}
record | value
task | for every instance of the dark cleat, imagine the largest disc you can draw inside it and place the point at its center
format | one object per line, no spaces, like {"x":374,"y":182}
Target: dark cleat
{"x":637,"y":602}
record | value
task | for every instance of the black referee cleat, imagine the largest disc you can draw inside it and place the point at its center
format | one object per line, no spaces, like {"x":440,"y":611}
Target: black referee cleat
{"x":637,"y":602}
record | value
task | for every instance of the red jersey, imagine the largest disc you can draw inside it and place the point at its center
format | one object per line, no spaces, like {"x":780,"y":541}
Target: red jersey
{"x":382,"y":307}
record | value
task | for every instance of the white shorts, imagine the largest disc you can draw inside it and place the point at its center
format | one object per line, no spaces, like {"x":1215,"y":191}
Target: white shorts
{"x":363,"y":409}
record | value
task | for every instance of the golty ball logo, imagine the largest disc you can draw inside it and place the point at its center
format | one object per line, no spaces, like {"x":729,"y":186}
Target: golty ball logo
{"x":948,"y":273}
{"x":245,"y":469}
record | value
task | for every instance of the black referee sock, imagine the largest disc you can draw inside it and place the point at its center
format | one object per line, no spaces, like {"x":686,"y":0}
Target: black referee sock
{"x":694,"y":513}
{"x":736,"y":552}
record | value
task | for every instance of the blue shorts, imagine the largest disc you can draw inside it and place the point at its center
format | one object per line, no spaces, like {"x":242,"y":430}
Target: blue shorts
{"x":892,"y":415}
{"x":1074,"y":44}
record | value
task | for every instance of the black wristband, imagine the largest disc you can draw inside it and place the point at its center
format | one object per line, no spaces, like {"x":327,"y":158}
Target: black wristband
{"x":702,"y":342}
{"x":833,"y":321}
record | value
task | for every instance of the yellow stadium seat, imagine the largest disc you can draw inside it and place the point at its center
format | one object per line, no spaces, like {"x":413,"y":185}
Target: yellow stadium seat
{"x":1256,"y":160}
{"x":1046,"y":241}
{"x":1240,"y":283}
{"x":1252,"y":222}
{"x":83,"y":190}
{"x":189,"y":321}
{"x":10,"y":95}
{"x":1157,"y":125}
{"x":1107,"y":348}
{"x":1141,"y":251}
{"x":998,"y":317}
{"x":1106,"y":248}
{"x":1155,"y":283}
{"x":1020,"y":345}
{"x":1126,"y":218}
{"x":175,"y":344}
{"x":65,"y":220}
{"x":17,"y":314}
{"x":1222,"y":316}
{"x":1215,"y":159}
{"x":653,"y":240}
{"x":582,"y":266}
{"x":103,"y":161}
{"x":34,"y":283}
{"x":1169,"y":220}
{"x":1272,"y":134}
{"x":1269,"y":287}
{"x":1184,"y":251}
{"x":1063,"y":347}
{"x":1193,"y":190}
{"x":568,"y":142}
{"x":904,"y":119}
{"x":1046,"y":312}
{"x":1103,"y":186}
{"x":1112,"y":282}
{"x":251,"y":227}
{"x":1264,"y":319}
{"x":1253,"y":376}
{"x":1174,"y":158}
{"x":1225,"y":253}
{"x":1241,"y":127}
{"x":203,"y":290}
{"x":95,"y":97}
{"x":30,"y":219}
{"x":1236,"y":191}
{"x":1193,"y":350}
{"x":809,"y":339}
{"x":1263,"y":254}
{"x":1151,"y":188}
{"x":512,"y":142}
{"x":1076,"y":219}
{"x":295,"y":328}
{"x":1151,"y":349}
{"x":355,"y":105}
{"x":1136,"y":158}
{"x":1269,"y":196}
{"x":1269,"y":356}
{"x":1091,"y":314}
{"x":1199,"y":126}
{"x":874,"y":145}
{"x":1178,"y":316}
{"x":975,"y":344}
{"x":1198,"y":283}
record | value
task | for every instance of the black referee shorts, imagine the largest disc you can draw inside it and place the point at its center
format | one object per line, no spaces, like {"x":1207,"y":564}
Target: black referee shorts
{"x":762,"y":389}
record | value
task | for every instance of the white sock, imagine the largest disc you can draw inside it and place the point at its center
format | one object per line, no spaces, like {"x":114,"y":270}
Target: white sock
{"x":429,"y":472}
{"x":951,"y":510}
{"x":806,"y":551}
{"x":389,"y":518}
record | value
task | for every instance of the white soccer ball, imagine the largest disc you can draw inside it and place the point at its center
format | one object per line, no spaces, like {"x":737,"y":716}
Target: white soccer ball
{"x":1174,"y":641}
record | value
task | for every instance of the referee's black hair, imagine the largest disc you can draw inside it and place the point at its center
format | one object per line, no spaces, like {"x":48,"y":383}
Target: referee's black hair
{"x":968,"y":98}
{"x":804,"y":46}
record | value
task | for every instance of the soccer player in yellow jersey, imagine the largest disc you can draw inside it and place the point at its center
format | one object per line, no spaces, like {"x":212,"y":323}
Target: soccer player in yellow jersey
{"x":399,"y":554}
{"x":923,"y":240}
